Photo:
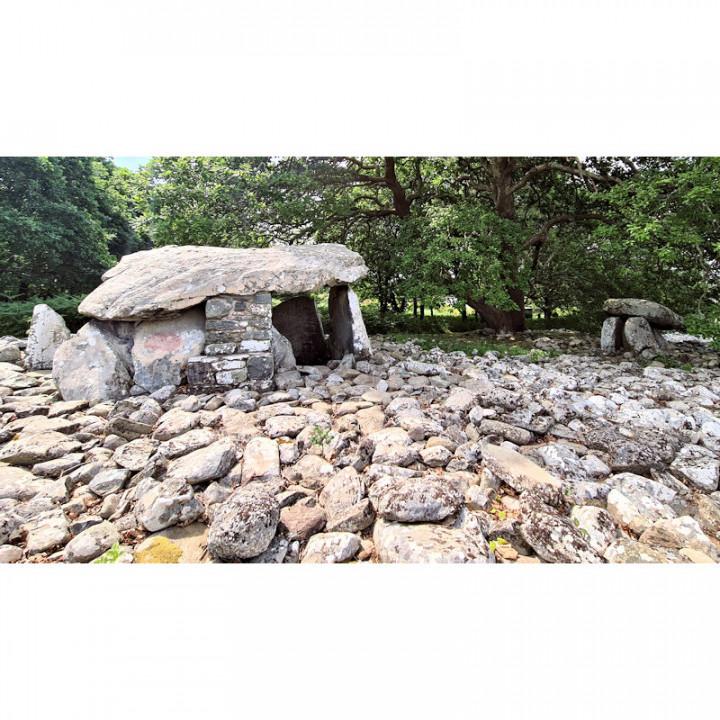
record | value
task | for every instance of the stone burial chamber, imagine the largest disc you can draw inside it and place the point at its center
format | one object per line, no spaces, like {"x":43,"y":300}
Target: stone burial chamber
{"x":636,"y":325}
{"x":204,"y":316}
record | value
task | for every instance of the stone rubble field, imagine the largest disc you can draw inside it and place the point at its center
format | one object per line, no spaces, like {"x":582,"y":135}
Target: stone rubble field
{"x":413,"y":456}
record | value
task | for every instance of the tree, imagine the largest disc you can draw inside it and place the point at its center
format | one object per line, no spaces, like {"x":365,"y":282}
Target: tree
{"x":57,"y":223}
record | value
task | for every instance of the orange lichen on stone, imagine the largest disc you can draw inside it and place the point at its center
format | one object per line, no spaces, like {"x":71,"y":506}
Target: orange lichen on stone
{"x":158,"y":550}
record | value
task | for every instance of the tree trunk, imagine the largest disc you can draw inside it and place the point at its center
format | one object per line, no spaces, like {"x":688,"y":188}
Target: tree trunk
{"x":422,"y":311}
{"x":502,"y":320}
{"x":415,"y":307}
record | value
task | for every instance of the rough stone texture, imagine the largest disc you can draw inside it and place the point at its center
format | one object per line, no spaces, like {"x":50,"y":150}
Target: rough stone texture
{"x":611,"y":334}
{"x":638,"y":335}
{"x":47,"y":332}
{"x":677,"y":533}
{"x":298,"y":320}
{"x":173,"y":278}
{"x":94,"y":366}
{"x":553,"y":537}
{"x":516,"y":470}
{"x":163,"y":347}
{"x":36,"y":448}
{"x":135,"y":454}
{"x":595,"y":525}
{"x":205,"y":464}
{"x":656,"y":314}
{"x":699,"y":466}
{"x":625,"y":550}
{"x":428,"y":543}
{"x":331,"y":547}
{"x":347,"y":328}
{"x":411,"y":500}
{"x":243,"y":526}
{"x":168,"y":503}
{"x":91,"y":543}
{"x":283,"y":357}
{"x":261,"y":460}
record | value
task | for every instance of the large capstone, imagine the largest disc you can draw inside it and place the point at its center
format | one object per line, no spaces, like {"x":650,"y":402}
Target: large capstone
{"x":656,"y":314}
{"x":167,"y":279}
{"x":298,"y":320}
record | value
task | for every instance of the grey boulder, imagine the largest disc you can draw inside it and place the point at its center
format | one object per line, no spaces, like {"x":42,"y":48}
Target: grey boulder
{"x":47,"y":332}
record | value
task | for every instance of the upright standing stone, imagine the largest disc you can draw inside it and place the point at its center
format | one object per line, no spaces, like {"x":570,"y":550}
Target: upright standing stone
{"x":47,"y":332}
{"x":163,"y":347}
{"x":298,"y":320}
{"x":638,"y":335}
{"x":611,"y":335}
{"x":347,"y":329}
{"x":94,"y":366}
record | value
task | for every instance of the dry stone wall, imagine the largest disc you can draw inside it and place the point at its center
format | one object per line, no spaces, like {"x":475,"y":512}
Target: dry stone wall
{"x":238,"y":336}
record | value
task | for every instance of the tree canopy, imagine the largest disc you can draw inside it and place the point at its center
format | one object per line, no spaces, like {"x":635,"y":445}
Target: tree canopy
{"x":497,"y":234}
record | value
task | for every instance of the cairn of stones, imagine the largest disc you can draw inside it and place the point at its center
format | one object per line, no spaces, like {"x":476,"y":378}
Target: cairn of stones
{"x":636,"y":325}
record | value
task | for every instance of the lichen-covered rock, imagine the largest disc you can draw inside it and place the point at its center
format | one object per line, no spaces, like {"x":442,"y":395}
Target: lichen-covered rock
{"x":135,"y":454}
{"x":698,"y":466}
{"x":158,"y":549}
{"x":91,"y":543}
{"x":168,"y":503}
{"x":261,"y":460}
{"x":425,"y":499}
{"x":625,"y":550}
{"x":243,"y":526}
{"x":331,"y":547}
{"x":638,"y":335}
{"x":162,"y":348}
{"x":636,"y":502}
{"x":205,"y":464}
{"x":173,"y":278}
{"x":595,"y":525}
{"x":343,"y":491}
{"x":428,"y":543}
{"x":303,"y":519}
{"x":516,"y":470}
{"x":94,"y":365}
{"x":37,"y":447}
{"x":46,"y":531}
{"x":677,"y":533}
{"x":16,"y":483}
{"x":553,"y":537}
{"x":283,"y":357}
{"x":47,"y":332}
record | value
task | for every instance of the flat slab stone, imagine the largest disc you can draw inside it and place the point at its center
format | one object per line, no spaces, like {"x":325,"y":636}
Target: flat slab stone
{"x":298,"y":320}
{"x":655,"y":313}
{"x":171,"y":278}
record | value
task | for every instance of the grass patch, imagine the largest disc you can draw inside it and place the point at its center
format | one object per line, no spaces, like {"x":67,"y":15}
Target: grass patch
{"x":468,"y":345}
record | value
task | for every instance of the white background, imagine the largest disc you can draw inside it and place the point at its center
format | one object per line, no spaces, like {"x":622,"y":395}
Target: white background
{"x":373,"y":77}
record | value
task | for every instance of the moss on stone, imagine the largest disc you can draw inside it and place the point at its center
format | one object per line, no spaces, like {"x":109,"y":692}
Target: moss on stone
{"x":158,"y":550}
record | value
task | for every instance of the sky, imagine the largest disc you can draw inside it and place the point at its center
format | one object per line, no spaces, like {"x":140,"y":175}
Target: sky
{"x":133,"y":163}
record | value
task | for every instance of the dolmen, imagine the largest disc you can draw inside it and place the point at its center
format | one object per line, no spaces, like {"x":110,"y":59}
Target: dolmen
{"x":204,"y":316}
{"x":636,"y":325}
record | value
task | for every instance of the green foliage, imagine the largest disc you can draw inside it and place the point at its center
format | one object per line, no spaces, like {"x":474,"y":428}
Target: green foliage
{"x":320,"y":435}
{"x":111,"y":555}
{"x":705,"y":323}
{"x":61,"y":221}
{"x":15,"y":316}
